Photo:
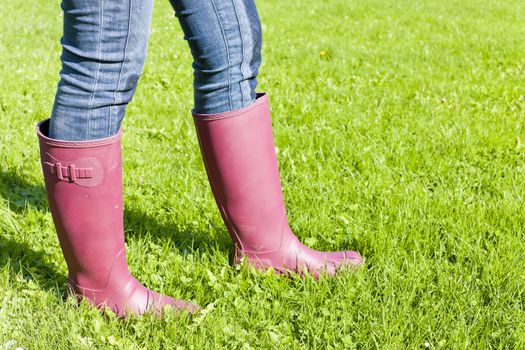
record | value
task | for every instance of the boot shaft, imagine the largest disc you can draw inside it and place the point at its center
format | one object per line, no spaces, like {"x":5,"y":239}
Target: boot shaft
{"x":241,"y":163}
{"x":84,"y":190}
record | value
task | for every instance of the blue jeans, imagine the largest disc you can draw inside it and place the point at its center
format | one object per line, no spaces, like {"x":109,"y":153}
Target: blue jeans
{"x":104,"y":48}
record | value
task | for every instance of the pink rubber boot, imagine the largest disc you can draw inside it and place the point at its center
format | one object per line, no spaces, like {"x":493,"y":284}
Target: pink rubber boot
{"x":240,"y":160}
{"x":84,"y":190}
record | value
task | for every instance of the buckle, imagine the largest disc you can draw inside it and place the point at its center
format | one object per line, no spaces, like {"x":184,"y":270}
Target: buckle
{"x":68,"y":173}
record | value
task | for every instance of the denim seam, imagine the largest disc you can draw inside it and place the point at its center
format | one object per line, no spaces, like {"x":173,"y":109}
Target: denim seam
{"x":242,"y":51}
{"x":227,"y":51}
{"x":121,"y":66}
{"x":244,"y":85}
{"x":99,"y":63}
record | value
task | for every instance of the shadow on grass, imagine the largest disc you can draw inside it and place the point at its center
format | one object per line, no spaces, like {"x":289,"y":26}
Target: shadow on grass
{"x":33,"y":262}
{"x":19,"y":255}
{"x":20,"y":194}
{"x":141,"y":226}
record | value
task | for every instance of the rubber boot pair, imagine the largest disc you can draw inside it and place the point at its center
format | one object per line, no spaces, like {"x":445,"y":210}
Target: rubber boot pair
{"x":84,"y":187}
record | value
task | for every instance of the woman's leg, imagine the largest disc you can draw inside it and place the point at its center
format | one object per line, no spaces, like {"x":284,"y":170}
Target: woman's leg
{"x":103,"y":52}
{"x":104,"y":49}
{"x":235,"y":135}
{"x":225,"y":40}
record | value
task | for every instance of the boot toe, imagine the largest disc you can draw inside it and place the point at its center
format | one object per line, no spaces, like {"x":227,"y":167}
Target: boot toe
{"x":337,"y":261}
{"x":353,"y":258}
{"x":160,"y":301}
{"x":187,"y":306}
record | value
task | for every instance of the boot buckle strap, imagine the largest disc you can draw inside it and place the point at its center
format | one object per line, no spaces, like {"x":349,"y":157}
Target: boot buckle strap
{"x":68,"y":173}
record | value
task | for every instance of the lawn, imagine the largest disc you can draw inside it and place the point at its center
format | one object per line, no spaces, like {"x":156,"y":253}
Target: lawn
{"x":400,"y":133}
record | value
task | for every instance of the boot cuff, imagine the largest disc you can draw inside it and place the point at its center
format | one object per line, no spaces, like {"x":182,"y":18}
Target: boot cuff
{"x":262,"y":98}
{"x":42,"y":130}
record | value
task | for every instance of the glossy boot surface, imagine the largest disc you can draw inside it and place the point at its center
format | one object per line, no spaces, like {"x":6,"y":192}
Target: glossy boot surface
{"x":240,"y":160}
{"x":84,"y":188}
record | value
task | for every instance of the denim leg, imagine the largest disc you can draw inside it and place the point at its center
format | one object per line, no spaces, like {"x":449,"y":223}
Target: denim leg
{"x":103,"y":52}
{"x":225,"y":41}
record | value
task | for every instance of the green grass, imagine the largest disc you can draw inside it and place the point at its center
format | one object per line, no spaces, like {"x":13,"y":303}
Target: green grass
{"x":400,"y":133}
